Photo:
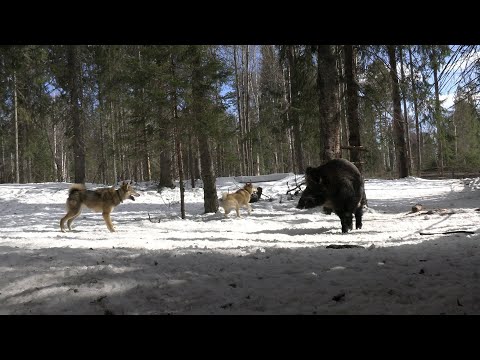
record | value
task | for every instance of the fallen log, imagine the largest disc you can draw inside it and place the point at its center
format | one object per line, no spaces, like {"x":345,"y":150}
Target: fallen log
{"x":449,"y":232}
{"x":333,"y":246}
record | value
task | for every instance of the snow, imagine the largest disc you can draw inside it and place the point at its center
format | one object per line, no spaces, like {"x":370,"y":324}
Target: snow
{"x":274,"y":261}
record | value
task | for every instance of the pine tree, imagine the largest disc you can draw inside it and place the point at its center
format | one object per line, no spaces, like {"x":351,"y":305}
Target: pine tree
{"x":328,"y":103}
{"x":352,"y":106}
{"x":398,"y":128}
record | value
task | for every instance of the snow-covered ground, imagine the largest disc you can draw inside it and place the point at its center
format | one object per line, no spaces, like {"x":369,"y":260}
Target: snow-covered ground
{"x":274,"y":261}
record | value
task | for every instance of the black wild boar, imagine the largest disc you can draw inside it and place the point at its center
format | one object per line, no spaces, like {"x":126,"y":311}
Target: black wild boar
{"x":256,"y":195}
{"x":338,"y":186}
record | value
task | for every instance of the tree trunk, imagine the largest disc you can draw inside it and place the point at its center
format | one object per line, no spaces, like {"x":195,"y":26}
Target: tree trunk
{"x":239,"y":111}
{"x":196,"y":162}
{"x":114,"y":144}
{"x":352,"y":106}
{"x":17,"y":160}
{"x":438,"y":115}
{"x":178,"y":143}
{"x":276,"y":167}
{"x":293,"y":110}
{"x":246,"y":108}
{"x":286,"y":93}
{"x":342,"y":96}
{"x":12,"y":166}
{"x":178,"y":148}
{"x":3,"y":167}
{"x":208,"y":176}
{"x":407,"y":133}
{"x":166,"y":167}
{"x":55,"y":155}
{"x":415,"y":106}
{"x":191,"y":160}
{"x":257,"y":167}
{"x":120,"y":124}
{"x":398,"y":129}
{"x":147,"y":167}
{"x":75,"y":83}
{"x":145,"y":171}
{"x":327,"y":82}
{"x":291,"y":149}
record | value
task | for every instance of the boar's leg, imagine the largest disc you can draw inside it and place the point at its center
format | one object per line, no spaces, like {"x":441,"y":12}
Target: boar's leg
{"x":358,"y":217}
{"x":346,"y":219}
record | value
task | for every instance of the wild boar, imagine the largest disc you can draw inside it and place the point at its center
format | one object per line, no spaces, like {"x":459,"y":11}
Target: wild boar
{"x":338,"y":186}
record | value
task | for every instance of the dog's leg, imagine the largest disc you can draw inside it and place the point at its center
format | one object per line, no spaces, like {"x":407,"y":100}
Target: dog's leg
{"x":71,"y":215}
{"x":69,"y":222}
{"x":249,"y":207}
{"x":237,"y":209}
{"x":108,"y":221}
{"x":227,"y":210}
{"x":62,"y":222}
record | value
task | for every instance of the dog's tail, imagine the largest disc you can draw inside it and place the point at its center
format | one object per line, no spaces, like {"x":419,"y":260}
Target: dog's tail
{"x":76,"y":187}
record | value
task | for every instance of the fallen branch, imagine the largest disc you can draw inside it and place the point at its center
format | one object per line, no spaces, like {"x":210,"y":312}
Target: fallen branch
{"x":438,"y":211}
{"x":334,"y":246}
{"x":269,"y":197}
{"x":449,"y":232}
{"x":431,"y":212}
{"x":296,"y":187}
{"x":150,"y":219}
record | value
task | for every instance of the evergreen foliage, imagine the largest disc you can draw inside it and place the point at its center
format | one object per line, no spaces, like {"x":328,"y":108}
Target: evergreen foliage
{"x":232,"y":110}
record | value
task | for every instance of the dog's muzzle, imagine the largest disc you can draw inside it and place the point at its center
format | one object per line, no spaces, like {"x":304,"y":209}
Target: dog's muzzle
{"x":132,"y":196}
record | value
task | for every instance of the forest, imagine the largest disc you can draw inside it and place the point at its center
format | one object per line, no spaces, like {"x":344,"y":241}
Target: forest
{"x":162,"y":113}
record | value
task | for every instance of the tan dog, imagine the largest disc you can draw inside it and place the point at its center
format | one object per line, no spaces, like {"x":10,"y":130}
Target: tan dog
{"x":103,"y":199}
{"x":238,"y":199}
